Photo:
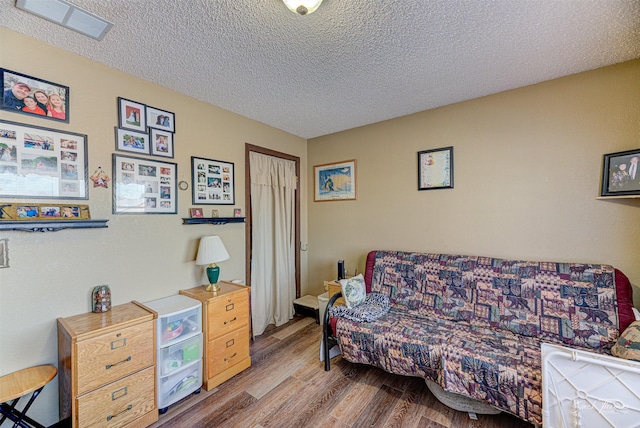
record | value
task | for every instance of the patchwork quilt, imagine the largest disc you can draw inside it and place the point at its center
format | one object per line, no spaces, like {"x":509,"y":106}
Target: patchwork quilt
{"x":474,"y":324}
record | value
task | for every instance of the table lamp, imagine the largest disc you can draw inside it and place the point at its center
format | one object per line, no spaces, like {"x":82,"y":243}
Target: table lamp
{"x":210,"y":251}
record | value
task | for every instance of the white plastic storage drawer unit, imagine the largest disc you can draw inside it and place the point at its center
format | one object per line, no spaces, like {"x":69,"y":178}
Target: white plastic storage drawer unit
{"x":179,"y":348}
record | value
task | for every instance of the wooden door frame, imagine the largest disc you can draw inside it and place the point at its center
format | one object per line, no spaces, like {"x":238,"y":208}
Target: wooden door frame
{"x":249,"y":223}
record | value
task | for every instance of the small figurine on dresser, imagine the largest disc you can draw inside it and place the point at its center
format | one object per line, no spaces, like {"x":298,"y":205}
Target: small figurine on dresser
{"x":101,"y":301}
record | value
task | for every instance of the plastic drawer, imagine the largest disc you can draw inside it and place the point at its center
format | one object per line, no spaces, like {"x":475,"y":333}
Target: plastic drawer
{"x":179,"y":384}
{"x":178,"y":326}
{"x":173,"y":357}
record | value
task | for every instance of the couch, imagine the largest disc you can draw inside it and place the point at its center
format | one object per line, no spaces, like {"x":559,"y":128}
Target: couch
{"x":472,"y":327}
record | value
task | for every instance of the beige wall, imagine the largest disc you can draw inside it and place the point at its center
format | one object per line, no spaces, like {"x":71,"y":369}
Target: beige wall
{"x":141,"y":257}
{"x":527,"y":167}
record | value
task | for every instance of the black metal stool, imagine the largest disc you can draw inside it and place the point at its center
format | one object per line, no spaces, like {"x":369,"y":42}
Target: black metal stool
{"x":18,"y":384}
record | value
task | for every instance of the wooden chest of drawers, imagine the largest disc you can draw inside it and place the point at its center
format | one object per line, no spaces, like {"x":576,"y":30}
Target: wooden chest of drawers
{"x":106,"y":368}
{"x":335,"y":287}
{"x":226,"y":331}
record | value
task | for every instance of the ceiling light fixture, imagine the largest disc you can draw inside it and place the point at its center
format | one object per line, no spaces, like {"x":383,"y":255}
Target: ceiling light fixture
{"x":302,"y":7}
{"x":68,"y":15}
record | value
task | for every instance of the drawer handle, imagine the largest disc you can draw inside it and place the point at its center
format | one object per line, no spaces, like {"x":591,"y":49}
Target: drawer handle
{"x":230,"y":307}
{"x":227,"y":322}
{"x":229,"y":358}
{"x":119,"y":343}
{"x":119,"y":393}
{"x":230,"y":343}
{"x":119,"y":362}
{"x":129,"y":407}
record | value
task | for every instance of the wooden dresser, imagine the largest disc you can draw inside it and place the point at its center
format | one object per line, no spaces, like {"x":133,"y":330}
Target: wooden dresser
{"x":106,"y":368}
{"x":225,"y":321}
{"x":335,"y":287}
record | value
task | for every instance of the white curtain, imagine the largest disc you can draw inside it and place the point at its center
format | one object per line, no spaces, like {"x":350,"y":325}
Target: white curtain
{"x":273,"y":283}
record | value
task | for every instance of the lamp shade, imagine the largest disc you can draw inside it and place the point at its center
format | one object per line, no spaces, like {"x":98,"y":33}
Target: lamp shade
{"x":211,"y":250}
{"x":303,"y":7}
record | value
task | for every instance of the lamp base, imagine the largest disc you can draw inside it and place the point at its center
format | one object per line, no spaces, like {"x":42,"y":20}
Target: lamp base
{"x":213,"y":273}
{"x":213,"y":287}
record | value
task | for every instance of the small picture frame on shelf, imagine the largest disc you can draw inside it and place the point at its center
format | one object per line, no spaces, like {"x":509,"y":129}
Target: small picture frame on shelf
{"x":621,"y":174}
{"x":237,"y":212}
{"x":196,"y":213}
{"x":132,"y":115}
{"x":215,"y":214}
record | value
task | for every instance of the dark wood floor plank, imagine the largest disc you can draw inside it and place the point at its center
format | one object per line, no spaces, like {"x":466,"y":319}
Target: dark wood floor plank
{"x":286,"y":386}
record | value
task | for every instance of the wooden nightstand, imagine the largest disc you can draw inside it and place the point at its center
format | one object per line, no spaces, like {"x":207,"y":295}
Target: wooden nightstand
{"x":225,"y":321}
{"x":335,"y":287}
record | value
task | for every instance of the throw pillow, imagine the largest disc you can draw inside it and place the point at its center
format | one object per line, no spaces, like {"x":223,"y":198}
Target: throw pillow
{"x":628,"y":344}
{"x":353,"y":290}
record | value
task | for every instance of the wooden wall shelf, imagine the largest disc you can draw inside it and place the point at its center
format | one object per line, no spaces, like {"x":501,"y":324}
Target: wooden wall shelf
{"x":213,"y":220}
{"x":51,"y":226}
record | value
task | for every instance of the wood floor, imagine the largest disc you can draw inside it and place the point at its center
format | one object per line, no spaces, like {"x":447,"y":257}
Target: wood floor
{"x":287,"y":386}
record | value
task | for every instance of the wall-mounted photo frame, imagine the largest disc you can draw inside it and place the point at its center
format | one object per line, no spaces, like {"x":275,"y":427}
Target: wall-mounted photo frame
{"x":215,"y":213}
{"x":161,"y":119}
{"x":212,"y":181}
{"x":161,"y":143}
{"x":335,"y":181}
{"x":132,"y":115}
{"x":435,"y":169}
{"x":144,"y":186}
{"x":37,"y":162}
{"x":32,"y":96}
{"x":132,"y":141}
{"x":621,"y":174}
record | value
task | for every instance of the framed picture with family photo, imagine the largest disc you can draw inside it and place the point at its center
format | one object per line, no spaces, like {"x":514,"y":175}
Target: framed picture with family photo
{"x":32,"y":96}
{"x":132,"y":115}
{"x":144,"y":186}
{"x":39,"y":162}
{"x":621,"y":174}
{"x":161,"y":119}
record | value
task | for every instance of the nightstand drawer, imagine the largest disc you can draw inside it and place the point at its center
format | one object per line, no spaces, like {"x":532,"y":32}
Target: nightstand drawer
{"x":228,"y":314}
{"x":114,"y":355}
{"x":120,"y":402}
{"x":227,"y":351}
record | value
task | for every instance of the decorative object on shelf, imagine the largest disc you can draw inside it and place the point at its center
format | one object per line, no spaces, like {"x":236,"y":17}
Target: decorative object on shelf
{"x":237,"y":212}
{"x":53,"y":164}
{"x":183,"y":185}
{"x":144,"y":186}
{"x":161,"y":119}
{"x":161,"y":143}
{"x":44,"y":212}
{"x":435,"y":169}
{"x":100,"y":178}
{"x":210,"y":252}
{"x":101,"y":299}
{"x":132,"y":115}
{"x":35,"y":97}
{"x":621,"y":174}
{"x":335,"y":181}
{"x":132,"y":141}
{"x":215,"y":213}
{"x":302,"y":7}
{"x":211,"y":220}
{"x":196,"y":213}
{"x":4,"y":253}
{"x":213,"y":182}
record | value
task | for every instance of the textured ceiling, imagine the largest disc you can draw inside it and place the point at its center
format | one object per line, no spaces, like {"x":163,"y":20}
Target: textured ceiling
{"x":352,"y":62}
